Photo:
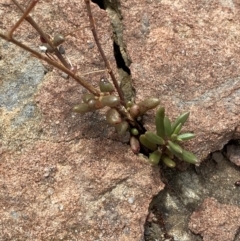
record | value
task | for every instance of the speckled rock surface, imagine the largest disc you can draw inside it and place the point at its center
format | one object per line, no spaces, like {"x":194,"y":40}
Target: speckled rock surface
{"x":233,"y":153}
{"x":186,"y":53}
{"x":215,"y":221}
{"x":66,"y":177}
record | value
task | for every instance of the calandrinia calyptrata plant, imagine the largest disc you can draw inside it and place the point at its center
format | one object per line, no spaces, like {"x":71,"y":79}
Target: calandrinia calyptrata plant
{"x":165,"y":143}
{"x":123,"y":115}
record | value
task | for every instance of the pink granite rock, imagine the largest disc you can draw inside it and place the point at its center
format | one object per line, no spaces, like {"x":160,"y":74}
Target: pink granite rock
{"x":215,"y":221}
{"x":65,"y":176}
{"x":233,"y":153}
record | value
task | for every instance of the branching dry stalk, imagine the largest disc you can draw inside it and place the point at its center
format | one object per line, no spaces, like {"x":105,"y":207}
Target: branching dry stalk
{"x":110,"y":71}
{"x":63,"y":65}
{"x":41,"y":33}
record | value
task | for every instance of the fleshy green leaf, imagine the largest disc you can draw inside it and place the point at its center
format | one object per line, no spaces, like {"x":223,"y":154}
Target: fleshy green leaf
{"x":143,"y":139}
{"x":167,"y":126}
{"x":181,"y":119}
{"x":185,"y":136}
{"x":159,"y":122}
{"x":152,"y":137}
{"x":154,"y":157}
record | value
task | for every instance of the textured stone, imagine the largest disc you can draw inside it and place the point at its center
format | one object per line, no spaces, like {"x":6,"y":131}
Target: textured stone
{"x":233,"y":153}
{"x":215,"y":221}
{"x":65,"y":176}
{"x":185,"y":53}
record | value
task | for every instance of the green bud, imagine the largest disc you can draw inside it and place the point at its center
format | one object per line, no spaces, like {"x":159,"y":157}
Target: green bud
{"x":135,"y":145}
{"x":155,"y":157}
{"x":134,"y":131}
{"x":110,"y":100}
{"x":129,"y":104}
{"x":58,"y":39}
{"x":105,"y":86}
{"x":148,"y":104}
{"x":152,"y":137}
{"x":122,"y":127}
{"x":113,"y":117}
{"x":151,"y":146}
{"x":173,"y":137}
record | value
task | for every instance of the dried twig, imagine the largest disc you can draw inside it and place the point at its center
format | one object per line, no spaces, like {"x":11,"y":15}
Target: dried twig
{"x":94,"y":31}
{"x":41,"y":32}
{"x":59,"y":66}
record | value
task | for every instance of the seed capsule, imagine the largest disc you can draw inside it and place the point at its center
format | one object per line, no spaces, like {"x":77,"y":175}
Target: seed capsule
{"x":134,"y":110}
{"x":61,"y":49}
{"x":113,"y":117}
{"x":58,"y":39}
{"x":87,"y":97}
{"x":49,"y":49}
{"x":110,"y":100}
{"x":122,"y":127}
{"x":82,"y":108}
{"x":105,"y":86}
{"x":148,"y":104}
{"x":95,"y":104}
{"x":135,"y":145}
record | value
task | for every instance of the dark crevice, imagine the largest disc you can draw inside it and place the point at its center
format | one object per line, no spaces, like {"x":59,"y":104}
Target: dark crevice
{"x":100,"y":3}
{"x":119,"y":59}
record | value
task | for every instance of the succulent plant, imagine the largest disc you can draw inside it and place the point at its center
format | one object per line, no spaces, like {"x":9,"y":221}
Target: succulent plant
{"x":124,"y":115}
{"x":165,"y":143}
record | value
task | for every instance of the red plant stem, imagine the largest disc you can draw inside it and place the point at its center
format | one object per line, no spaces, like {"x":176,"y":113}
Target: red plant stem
{"x":59,"y":66}
{"x":26,"y":12}
{"x":41,"y":33}
{"x":94,"y":32}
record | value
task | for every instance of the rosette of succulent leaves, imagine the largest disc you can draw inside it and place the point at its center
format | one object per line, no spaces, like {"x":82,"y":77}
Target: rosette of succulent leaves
{"x":164,"y":145}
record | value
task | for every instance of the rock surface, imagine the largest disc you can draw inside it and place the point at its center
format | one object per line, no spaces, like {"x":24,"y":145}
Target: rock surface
{"x":215,"y":221}
{"x":68,"y":177}
{"x":233,"y":153}
{"x":185,"y":53}
{"x":184,"y":194}
{"x":64,"y":176}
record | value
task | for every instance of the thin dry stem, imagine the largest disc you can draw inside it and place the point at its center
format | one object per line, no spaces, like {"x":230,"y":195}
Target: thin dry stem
{"x":27,"y":11}
{"x":42,"y":34}
{"x":94,"y":31}
{"x":59,"y":66}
